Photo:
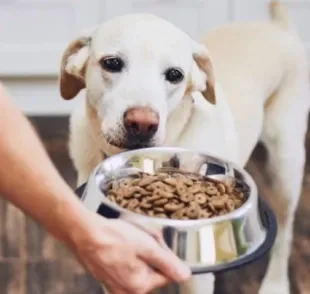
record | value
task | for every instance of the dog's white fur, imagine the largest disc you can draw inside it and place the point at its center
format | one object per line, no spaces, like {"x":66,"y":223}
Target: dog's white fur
{"x":261,"y":93}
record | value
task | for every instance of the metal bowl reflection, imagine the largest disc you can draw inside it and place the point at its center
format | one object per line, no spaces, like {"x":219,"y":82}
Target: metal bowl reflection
{"x":206,"y":245}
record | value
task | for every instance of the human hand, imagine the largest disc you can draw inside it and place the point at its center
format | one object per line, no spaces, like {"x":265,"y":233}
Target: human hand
{"x":123,"y":257}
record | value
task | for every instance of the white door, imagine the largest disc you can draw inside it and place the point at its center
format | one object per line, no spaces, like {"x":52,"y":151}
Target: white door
{"x":33,"y":33}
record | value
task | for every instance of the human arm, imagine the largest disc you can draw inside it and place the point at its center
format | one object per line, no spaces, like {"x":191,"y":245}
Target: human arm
{"x":115,"y":252}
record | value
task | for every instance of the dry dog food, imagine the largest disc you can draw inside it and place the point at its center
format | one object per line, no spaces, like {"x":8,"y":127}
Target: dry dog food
{"x":174,"y":195}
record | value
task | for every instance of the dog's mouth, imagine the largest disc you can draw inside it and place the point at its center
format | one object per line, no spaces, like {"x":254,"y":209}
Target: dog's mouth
{"x":132,"y":144}
{"x":140,"y":145}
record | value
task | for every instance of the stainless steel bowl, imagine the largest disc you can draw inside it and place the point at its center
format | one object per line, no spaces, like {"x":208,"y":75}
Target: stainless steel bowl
{"x":206,"y":245}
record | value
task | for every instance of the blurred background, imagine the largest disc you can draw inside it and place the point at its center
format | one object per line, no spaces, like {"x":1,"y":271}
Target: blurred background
{"x":33,"y":35}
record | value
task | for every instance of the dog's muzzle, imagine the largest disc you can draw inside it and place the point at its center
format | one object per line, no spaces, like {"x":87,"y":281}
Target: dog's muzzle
{"x":141,"y":124}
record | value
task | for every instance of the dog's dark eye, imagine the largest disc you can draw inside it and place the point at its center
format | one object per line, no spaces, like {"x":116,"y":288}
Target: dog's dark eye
{"x":173,"y":75}
{"x":112,"y":64}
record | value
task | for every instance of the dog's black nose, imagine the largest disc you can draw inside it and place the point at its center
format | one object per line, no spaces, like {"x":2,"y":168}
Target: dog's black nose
{"x":141,"y":123}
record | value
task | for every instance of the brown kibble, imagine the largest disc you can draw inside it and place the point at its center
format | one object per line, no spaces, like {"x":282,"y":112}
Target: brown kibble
{"x":218,"y":203}
{"x":111,"y":192}
{"x":142,"y":191}
{"x":238,"y":203}
{"x":124,"y":183}
{"x":145,"y":204}
{"x":174,"y":195}
{"x":212,"y":208}
{"x":138,"y":210}
{"x":211,"y":190}
{"x":200,"y":198}
{"x":230,"y":205}
{"x":194,"y":177}
{"x":204,"y":214}
{"x":239,"y":195}
{"x":178,"y":214}
{"x":159,"y":209}
{"x":181,"y":189}
{"x":172,"y":207}
{"x":193,"y":211}
{"x":155,"y":196}
{"x":158,"y":185}
{"x":162,"y":194}
{"x":188,"y":182}
{"x":135,"y":182}
{"x":121,"y":192}
{"x":166,"y":194}
{"x":112,"y":198}
{"x":184,"y":179}
{"x":229,"y":189}
{"x":208,"y":184}
{"x":162,"y":176}
{"x":132,"y":204}
{"x":155,"y":185}
{"x":195,"y":189}
{"x":119,"y":198}
{"x":137,"y":195}
{"x":171,"y":181}
{"x":161,"y":201}
{"x":129,"y":192}
{"x":124,"y":203}
{"x":186,"y":197}
{"x":145,"y":181}
{"x":221,"y":188}
{"x":115,"y":185}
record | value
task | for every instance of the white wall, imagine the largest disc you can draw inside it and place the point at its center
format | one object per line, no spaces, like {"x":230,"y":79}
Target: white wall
{"x":33,"y":34}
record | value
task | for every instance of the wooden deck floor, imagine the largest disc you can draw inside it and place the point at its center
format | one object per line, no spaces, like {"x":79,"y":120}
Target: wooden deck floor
{"x":31,"y":262}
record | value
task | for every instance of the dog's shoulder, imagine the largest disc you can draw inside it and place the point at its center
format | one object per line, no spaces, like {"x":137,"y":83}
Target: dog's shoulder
{"x":211,"y":128}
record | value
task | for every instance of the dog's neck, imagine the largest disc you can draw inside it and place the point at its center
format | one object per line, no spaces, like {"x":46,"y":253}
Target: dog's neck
{"x":178,"y":120}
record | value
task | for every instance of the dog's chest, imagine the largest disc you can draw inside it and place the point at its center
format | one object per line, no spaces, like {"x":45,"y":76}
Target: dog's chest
{"x":212,"y":133}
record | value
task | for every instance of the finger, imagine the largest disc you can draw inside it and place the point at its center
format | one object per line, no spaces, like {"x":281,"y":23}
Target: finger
{"x":156,"y":281}
{"x":155,"y":232}
{"x":113,"y":290}
{"x":114,"y":286}
{"x":145,"y":280}
{"x":164,"y":261}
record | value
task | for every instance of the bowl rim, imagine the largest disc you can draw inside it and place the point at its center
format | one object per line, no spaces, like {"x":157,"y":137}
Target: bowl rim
{"x":129,"y":215}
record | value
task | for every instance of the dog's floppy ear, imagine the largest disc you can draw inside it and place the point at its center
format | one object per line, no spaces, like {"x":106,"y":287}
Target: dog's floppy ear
{"x":73,"y":65}
{"x":202,"y":73}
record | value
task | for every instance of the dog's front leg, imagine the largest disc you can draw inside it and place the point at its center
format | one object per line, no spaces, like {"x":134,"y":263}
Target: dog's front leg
{"x":199,"y":284}
{"x":83,"y":149}
{"x":286,"y":161}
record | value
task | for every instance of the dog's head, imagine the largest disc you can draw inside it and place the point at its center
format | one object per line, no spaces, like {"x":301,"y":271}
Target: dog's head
{"x":136,"y":70}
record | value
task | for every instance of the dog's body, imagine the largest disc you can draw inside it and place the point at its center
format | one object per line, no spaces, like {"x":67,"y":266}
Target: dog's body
{"x":260,"y":92}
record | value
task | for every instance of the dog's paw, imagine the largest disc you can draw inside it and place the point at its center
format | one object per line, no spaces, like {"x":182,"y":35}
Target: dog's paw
{"x":275,"y":287}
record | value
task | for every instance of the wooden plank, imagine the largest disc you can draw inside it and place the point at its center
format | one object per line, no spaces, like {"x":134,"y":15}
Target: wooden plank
{"x":46,"y":277}
{"x":12,"y":231}
{"x":12,"y":277}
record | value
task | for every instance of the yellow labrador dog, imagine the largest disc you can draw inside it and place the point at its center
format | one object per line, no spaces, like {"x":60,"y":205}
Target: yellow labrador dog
{"x":149,"y":84}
